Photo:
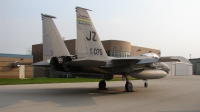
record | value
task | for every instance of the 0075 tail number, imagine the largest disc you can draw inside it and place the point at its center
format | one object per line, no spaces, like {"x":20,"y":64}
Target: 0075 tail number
{"x":96,"y":51}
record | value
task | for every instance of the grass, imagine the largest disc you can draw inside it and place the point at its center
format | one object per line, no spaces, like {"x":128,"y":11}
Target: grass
{"x":4,"y":81}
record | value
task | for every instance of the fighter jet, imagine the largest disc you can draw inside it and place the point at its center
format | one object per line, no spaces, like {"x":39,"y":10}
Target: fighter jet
{"x":92,"y":60}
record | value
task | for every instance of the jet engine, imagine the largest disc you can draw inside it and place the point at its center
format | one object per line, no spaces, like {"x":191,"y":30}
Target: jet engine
{"x":148,"y":74}
{"x":61,"y":63}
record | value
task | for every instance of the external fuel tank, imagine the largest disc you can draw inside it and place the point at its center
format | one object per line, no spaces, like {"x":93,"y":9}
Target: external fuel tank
{"x":148,"y":74}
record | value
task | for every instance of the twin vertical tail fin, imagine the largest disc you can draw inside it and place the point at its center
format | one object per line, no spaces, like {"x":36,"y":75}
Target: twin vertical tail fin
{"x":53,"y":44}
{"x":89,"y":45}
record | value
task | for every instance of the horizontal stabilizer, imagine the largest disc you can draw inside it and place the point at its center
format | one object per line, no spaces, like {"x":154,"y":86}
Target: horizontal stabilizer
{"x":42,"y":63}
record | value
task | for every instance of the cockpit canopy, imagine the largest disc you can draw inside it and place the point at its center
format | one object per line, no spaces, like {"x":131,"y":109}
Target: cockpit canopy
{"x":152,"y":55}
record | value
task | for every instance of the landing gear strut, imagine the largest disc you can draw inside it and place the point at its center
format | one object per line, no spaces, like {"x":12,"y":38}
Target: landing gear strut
{"x":102,"y":84}
{"x":145,"y":84}
{"x":128,"y":85}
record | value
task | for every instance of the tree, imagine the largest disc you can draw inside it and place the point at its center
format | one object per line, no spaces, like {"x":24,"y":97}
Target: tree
{"x":29,"y":50}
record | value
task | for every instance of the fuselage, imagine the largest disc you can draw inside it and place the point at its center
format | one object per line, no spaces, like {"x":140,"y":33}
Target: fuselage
{"x":113,"y":66}
{"x":127,"y":67}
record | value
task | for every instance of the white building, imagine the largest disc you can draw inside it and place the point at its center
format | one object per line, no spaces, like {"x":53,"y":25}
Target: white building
{"x":182,"y":68}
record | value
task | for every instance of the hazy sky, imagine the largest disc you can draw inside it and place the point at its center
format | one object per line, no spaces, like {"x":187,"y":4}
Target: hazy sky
{"x":172,"y":26}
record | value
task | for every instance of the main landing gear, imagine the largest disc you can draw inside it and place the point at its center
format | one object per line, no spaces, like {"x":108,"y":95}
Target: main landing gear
{"x":145,"y":84}
{"x":102,"y":84}
{"x":128,"y":85}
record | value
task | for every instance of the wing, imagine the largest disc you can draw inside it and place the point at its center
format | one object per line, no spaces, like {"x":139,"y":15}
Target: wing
{"x":168,"y":59}
{"x":140,"y":60}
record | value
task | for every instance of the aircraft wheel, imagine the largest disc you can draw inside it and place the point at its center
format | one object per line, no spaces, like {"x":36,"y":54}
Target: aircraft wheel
{"x":128,"y":86}
{"x":102,"y":84}
{"x":145,"y":84}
